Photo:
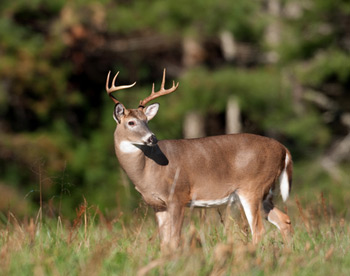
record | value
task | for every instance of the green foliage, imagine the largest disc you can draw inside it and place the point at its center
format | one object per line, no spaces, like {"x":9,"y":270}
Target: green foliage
{"x":261,"y":95}
{"x":54,"y":113}
{"x":322,"y":24}
{"x":332,"y":65}
{"x":257,"y":90}
{"x":170,"y":17}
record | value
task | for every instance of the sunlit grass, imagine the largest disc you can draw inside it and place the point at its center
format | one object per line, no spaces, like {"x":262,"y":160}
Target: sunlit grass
{"x":213,"y":244}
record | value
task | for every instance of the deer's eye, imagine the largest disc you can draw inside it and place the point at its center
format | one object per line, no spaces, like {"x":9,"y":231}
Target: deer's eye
{"x":131,"y":123}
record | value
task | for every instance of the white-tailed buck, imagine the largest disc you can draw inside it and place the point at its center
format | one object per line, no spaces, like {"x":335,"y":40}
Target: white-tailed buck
{"x":203,"y":172}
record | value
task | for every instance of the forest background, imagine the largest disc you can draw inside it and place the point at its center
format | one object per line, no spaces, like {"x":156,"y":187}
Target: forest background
{"x":286,"y":63}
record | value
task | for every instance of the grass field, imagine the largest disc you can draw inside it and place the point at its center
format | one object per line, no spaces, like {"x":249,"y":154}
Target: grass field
{"x":213,"y":244}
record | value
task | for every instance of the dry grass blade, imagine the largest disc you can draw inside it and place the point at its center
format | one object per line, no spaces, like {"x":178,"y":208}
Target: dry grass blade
{"x":155,"y":263}
{"x":141,"y":226}
{"x":329,"y":253}
{"x":77,"y":222}
{"x":303,"y":217}
{"x":324,"y":208}
{"x":222,"y":252}
{"x":94,"y":264}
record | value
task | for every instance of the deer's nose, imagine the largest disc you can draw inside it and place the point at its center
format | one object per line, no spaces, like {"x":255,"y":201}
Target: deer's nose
{"x":152,"y":140}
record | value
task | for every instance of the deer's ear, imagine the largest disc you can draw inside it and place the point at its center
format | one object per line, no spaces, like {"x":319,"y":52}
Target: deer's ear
{"x":151,"y":111}
{"x":119,"y":111}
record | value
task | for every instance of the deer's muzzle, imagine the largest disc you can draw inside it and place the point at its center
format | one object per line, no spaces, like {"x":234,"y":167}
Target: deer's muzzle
{"x":152,"y":140}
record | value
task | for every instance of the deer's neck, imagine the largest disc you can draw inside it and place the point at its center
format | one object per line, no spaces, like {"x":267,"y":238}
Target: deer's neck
{"x":141,"y":163}
{"x":131,"y":159}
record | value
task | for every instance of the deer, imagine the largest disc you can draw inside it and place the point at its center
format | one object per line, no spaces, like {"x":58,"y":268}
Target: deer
{"x":172,"y":175}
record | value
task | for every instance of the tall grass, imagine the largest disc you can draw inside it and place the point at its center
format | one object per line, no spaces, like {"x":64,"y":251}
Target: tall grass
{"x":214,"y":243}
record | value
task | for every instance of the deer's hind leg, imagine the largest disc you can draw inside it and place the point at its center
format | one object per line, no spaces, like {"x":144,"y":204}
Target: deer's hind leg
{"x":278,"y":218}
{"x":252,"y":210}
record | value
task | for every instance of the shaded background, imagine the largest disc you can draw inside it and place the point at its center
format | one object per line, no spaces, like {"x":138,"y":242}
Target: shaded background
{"x":285,"y":63}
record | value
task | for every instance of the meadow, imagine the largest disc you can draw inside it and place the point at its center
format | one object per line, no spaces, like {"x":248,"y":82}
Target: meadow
{"x":215,"y":242}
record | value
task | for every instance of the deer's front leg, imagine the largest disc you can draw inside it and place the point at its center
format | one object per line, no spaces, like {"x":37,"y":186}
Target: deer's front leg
{"x":169,"y":226}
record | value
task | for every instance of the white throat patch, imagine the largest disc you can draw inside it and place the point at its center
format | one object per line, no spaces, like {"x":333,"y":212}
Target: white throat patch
{"x":128,"y":147}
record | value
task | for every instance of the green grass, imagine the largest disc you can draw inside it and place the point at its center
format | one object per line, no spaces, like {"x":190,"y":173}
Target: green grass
{"x":212,"y":245}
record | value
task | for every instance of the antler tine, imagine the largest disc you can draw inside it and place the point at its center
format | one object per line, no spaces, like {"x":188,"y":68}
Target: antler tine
{"x":161,"y":92}
{"x":114,"y":88}
{"x":163,"y":80}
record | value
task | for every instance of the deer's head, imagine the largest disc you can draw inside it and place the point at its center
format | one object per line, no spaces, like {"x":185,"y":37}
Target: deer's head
{"x":132,"y":124}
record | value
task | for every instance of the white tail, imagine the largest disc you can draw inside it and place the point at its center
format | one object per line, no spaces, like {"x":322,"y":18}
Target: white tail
{"x":284,"y":180}
{"x":204,"y":172}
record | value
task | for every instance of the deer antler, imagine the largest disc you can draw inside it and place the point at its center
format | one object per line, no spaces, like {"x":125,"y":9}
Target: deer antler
{"x":161,"y":92}
{"x":114,"y":88}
